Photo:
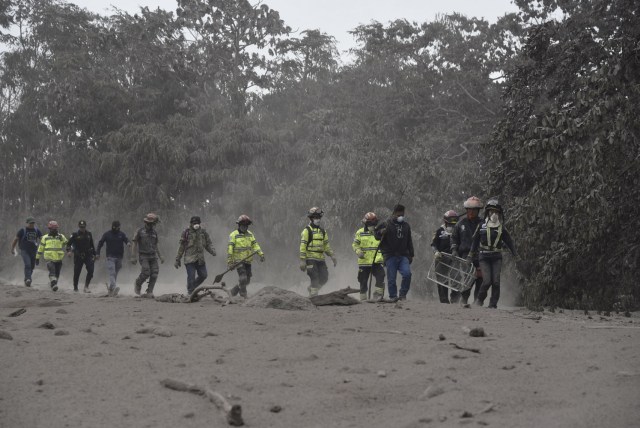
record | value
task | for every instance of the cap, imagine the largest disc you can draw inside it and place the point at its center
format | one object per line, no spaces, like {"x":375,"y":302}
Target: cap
{"x":82,"y":223}
{"x":30,"y":220}
{"x":195,"y":220}
{"x":115,"y":223}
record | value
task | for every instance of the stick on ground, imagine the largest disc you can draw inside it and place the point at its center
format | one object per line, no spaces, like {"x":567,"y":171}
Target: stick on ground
{"x":232,"y":412}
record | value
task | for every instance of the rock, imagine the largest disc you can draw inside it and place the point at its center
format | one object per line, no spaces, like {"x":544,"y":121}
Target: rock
{"x":162,"y":332}
{"x":5,"y":335}
{"x":420,"y":362}
{"x":466,"y":414}
{"x":18,"y":312}
{"x":382,"y":373}
{"x":210,"y":334}
{"x":441,"y":337}
{"x":338,"y":298}
{"x":126,"y":338}
{"x":432,"y":391}
{"x":275,"y":409}
{"x":474,"y":332}
{"x":189,"y":415}
{"x":40,"y":382}
{"x":278,"y":298}
{"x":47,"y":325}
{"x":61,"y":311}
{"x":511,"y":367}
{"x":61,"y":333}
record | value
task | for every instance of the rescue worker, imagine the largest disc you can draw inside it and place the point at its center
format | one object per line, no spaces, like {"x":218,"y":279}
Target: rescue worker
{"x":28,"y":238}
{"x":241,"y":244}
{"x":193,"y":242}
{"x":397,"y":250}
{"x":314,"y":244}
{"x":461,"y":240}
{"x":52,"y":250}
{"x":366,"y":248}
{"x":84,"y":253}
{"x":441,"y":244}
{"x":145,"y":245}
{"x":115,"y":240}
{"x":490,"y":239}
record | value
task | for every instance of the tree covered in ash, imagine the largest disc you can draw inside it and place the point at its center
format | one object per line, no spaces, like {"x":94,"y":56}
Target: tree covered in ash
{"x":217,"y":107}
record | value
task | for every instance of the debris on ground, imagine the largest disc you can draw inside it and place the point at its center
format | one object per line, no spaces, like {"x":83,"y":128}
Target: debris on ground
{"x":278,"y":298}
{"x":339,"y":298}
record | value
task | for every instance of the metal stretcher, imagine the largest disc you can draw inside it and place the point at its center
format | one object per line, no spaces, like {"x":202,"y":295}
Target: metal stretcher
{"x":452,"y":272}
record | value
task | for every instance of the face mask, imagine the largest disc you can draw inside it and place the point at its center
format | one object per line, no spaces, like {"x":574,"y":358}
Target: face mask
{"x":449,"y":229}
{"x":400,"y":219}
{"x":243,"y":228}
{"x":115,"y":229}
{"x":316,"y":222}
{"x":494,"y":218}
{"x":371,"y":228}
{"x":196,"y":226}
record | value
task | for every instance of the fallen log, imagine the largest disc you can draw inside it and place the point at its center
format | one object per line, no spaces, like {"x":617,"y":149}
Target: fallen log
{"x":340,"y":298}
{"x":232,"y":412}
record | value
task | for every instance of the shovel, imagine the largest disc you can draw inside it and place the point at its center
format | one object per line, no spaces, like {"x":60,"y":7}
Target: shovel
{"x":218,"y":277}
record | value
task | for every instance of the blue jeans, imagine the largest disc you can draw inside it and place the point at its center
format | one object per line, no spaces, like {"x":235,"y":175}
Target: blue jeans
{"x":395,"y":264}
{"x":114,"y":264}
{"x":192,"y":269}
{"x":29,"y":260}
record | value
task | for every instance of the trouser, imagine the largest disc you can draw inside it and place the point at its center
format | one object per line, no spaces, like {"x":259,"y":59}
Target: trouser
{"x":491,"y":265}
{"x":114,"y":264}
{"x":54,"y":271}
{"x":395,"y":264}
{"x":364,"y":273}
{"x":78,"y":262}
{"x":318,"y":274}
{"x":455,"y":295}
{"x":244,"y":278}
{"x":193,"y":269}
{"x":149,"y":270}
{"x":29,"y":260}
{"x":442,"y":275}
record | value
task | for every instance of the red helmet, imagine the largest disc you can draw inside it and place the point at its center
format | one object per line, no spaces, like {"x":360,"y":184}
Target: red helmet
{"x":53,"y":225}
{"x":151,"y":218}
{"x":473,"y":202}
{"x":451,"y":217}
{"x":244,"y":219}
{"x":370,"y":218}
{"x":315,"y":212}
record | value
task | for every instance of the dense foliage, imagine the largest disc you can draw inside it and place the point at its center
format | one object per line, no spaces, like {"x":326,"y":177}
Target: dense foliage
{"x":218,"y":109}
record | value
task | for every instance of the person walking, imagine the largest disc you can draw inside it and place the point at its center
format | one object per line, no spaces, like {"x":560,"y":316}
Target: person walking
{"x":115,"y":241}
{"x":145,"y":246}
{"x":461,"y":240}
{"x":365,"y":245}
{"x":490,"y":238}
{"x":396,"y":245}
{"x":84,"y":254}
{"x":51,"y":249}
{"x":242,"y":243}
{"x":314,"y":244}
{"x":193,"y":242}
{"x":28,"y":239}
{"x":441,"y":244}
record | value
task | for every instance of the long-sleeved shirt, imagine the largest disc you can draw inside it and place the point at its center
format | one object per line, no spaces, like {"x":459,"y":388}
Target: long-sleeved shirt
{"x":365,"y":241}
{"x":241,"y":245}
{"x":441,"y":240}
{"x":490,"y":239}
{"x":395,"y":239}
{"x":193,"y":243}
{"x":115,"y":241}
{"x":81,"y":242}
{"x":314,"y":243}
{"x":462,"y":235}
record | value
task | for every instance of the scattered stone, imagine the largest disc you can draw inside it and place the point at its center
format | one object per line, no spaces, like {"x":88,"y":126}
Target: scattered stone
{"x":278,"y":298}
{"x":189,"y":415}
{"x":420,"y":362}
{"x":5,"y":335}
{"x":219,"y":361}
{"x":210,"y":334}
{"x":61,"y":333}
{"x":339,"y":298}
{"x":441,"y":337}
{"x":474,"y":332}
{"x":97,"y":354}
{"x":466,"y":414}
{"x":432,"y":391}
{"x":382,"y":373}
{"x":126,"y":338}
{"x":18,"y":312}
{"x":511,"y":367}
{"x":275,"y":409}
{"x":48,"y":326}
{"x":425,"y":420}
{"x":40,"y":382}
{"x":159,"y":331}
{"x":61,"y":311}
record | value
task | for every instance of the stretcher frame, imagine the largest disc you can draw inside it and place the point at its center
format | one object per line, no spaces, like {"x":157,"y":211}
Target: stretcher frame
{"x":460,"y":273}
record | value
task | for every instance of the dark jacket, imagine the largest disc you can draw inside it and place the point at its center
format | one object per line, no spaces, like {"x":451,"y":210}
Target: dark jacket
{"x":82,"y":244}
{"x":395,"y":239}
{"x":499,"y":236}
{"x":147,"y":241}
{"x":462,"y":235}
{"x":441,"y":241}
{"x":115,"y":241}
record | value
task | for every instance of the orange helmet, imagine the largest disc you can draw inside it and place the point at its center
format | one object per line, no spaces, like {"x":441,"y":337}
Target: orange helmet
{"x":370,"y":218}
{"x":244,"y":219}
{"x":473,"y":202}
{"x":53,"y":225}
{"x":151,"y":218}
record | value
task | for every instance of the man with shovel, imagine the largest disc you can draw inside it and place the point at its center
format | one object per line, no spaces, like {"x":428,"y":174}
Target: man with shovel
{"x":193,"y":243}
{"x":242,"y":246}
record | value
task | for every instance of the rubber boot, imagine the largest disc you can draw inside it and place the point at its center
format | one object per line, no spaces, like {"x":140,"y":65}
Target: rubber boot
{"x":235,"y":290}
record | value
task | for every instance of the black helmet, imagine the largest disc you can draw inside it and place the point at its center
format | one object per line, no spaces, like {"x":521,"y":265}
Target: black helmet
{"x":195,"y":220}
{"x":315,"y":212}
{"x":493,"y":205}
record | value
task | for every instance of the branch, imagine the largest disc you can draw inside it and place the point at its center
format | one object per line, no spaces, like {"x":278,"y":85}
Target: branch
{"x":474,"y":99}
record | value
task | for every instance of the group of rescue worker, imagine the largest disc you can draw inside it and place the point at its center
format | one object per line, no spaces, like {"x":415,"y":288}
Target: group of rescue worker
{"x":378,"y":245}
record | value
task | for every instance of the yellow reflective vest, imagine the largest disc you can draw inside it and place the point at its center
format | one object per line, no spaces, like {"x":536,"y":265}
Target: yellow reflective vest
{"x":52,"y":247}
{"x":367,"y":243}
{"x":314,"y":243}
{"x":241,"y":245}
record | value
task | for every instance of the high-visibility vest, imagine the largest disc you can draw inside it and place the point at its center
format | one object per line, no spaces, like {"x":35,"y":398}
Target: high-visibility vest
{"x":314,"y":243}
{"x":368,"y":244}
{"x":241,"y":245}
{"x":52,"y":247}
{"x":490,"y":238}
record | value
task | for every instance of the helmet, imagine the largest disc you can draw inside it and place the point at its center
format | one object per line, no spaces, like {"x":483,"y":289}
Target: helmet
{"x":494,"y":205}
{"x":370,"y":218}
{"x":195,"y":220}
{"x":53,"y":225}
{"x":82,"y":223}
{"x":451,"y":217}
{"x":244,"y":219}
{"x":151,"y":218}
{"x":473,"y":202}
{"x":315,"y":212}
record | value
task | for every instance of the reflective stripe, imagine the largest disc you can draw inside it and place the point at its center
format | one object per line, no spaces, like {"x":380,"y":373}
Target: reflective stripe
{"x":492,"y":246}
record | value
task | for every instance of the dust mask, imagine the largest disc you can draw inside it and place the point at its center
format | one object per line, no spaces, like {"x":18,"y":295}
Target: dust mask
{"x":400,"y":219}
{"x":316,"y":222}
{"x":449,"y":229}
{"x":495,"y":218}
{"x":196,"y":226}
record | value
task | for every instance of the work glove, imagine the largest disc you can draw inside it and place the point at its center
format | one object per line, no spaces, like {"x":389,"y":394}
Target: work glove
{"x":134,"y":261}
{"x":262,"y":257}
{"x":303,"y":265}
{"x":360,"y":254}
{"x":437,"y":255}
{"x":161,"y":260}
{"x":177,"y":264}
{"x":334,"y":260}
{"x":37,"y":262}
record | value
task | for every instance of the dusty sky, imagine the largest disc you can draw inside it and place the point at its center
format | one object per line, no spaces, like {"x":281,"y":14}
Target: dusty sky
{"x":337,"y":17}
